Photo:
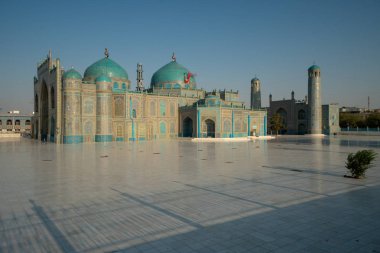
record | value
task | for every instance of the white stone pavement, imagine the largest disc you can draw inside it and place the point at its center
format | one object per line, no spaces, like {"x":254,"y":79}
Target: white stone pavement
{"x":281,"y":195}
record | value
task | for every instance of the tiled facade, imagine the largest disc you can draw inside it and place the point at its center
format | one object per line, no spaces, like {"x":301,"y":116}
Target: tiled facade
{"x":100,"y":107}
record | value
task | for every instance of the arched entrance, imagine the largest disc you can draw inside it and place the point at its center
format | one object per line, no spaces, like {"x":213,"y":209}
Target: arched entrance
{"x":284,"y":117}
{"x":187,"y":127}
{"x":44,"y":112}
{"x":301,"y":129}
{"x":52,"y":127}
{"x":210,"y":127}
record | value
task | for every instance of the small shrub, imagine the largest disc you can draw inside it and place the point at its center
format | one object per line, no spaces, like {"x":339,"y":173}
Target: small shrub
{"x":359,"y":162}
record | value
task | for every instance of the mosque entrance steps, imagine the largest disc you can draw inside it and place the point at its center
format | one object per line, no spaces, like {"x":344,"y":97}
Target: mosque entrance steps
{"x":240,"y":139}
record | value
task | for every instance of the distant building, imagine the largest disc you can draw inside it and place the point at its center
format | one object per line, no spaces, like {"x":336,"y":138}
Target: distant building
{"x":306,"y":116}
{"x":330,"y":119}
{"x":352,"y":109}
{"x":15,"y":122}
{"x":100,"y":107}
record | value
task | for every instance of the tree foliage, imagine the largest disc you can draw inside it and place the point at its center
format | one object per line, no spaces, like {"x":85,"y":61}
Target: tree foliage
{"x":361,"y":120}
{"x":276,"y":123}
{"x":359,"y":162}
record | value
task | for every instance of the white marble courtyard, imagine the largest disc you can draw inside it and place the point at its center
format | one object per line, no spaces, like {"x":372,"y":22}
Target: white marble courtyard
{"x":282,"y":195}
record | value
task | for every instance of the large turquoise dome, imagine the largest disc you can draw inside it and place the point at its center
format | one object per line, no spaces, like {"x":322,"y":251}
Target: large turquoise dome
{"x":172,"y":75}
{"x":106,"y":67}
{"x":72,"y":74}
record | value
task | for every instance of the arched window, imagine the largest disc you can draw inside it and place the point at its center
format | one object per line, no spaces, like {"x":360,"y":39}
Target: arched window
{"x":284,"y":116}
{"x":124,"y":86}
{"x":134,"y":113}
{"x":162,"y":128}
{"x":115,"y":85}
{"x":17,"y":122}
{"x":301,"y":114}
{"x":1,"y":122}
{"x":36,"y":103}
{"x":52,"y":97}
{"x":27,"y":123}
{"x":9,"y":122}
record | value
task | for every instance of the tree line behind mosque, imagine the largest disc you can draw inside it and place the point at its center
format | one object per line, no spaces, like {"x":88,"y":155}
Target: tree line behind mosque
{"x":352,"y":120}
{"x":360,"y":120}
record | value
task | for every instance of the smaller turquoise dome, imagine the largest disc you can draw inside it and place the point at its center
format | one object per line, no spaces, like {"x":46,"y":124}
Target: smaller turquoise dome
{"x":314,"y":67}
{"x":72,"y":74}
{"x":103,"y":78}
{"x":255,"y":79}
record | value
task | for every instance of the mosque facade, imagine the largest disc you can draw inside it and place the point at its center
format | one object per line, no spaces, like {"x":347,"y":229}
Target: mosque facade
{"x":101,"y":105}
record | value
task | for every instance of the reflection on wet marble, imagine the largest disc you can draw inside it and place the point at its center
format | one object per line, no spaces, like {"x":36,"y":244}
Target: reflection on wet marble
{"x":282,"y":195}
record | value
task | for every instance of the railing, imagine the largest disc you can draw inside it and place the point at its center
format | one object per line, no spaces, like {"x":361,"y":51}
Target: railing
{"x":358,"y":129}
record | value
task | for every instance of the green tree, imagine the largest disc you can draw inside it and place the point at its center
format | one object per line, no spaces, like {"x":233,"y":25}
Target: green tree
{"x":276,"y":123}
{"x":359,"y":162}
{"x":373,"y":120}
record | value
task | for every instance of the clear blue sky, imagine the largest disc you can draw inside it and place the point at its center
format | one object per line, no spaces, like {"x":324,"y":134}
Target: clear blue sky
{"x":226,"y":43}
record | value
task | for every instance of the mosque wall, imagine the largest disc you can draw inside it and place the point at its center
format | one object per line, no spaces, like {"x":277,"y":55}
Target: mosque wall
{"x":99,"y":107}
{"x":47,"y":100}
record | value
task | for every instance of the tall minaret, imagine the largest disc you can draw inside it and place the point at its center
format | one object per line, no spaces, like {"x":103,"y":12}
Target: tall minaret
{"x":255,"y":93}
{"x":140,"y":83}
{"x":314,"y":103}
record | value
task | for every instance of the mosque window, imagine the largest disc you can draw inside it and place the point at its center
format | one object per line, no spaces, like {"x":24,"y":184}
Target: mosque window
{"x":168,"y":86}
{"x":36,"y":103}
{"x":177,"y":86}
{"x":134,"y":114}
{"x":115,"y":85}
{"x":162,"y":108}
{"x":17,"y":122}
{"x":119,"y":106}
{"x":52,"y":97}
{"x":301,"y":114}
{"x":162,"y":128}
{"x":27,"y":123}
{"x":9,"y":122}
{"x":124,"y":86}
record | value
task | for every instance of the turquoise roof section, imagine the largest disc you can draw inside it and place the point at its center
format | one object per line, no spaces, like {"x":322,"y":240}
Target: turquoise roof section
{"x":72,"y":74}
{"x":107,"y":67}
{"x":314,"y":67}
{"x":173,"y":73}
{"x":103,"y":78}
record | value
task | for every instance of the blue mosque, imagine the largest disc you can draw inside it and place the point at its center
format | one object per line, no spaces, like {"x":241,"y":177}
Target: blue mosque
{"x":102,"y":106}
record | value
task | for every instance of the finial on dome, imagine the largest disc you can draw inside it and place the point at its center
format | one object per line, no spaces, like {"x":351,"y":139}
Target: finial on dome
{"x":106,"y":53}
{"x":173,"y":57}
